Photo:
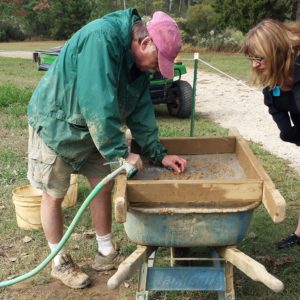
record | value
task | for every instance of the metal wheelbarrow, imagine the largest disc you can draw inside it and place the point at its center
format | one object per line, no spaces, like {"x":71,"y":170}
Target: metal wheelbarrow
{"x":210,"y":206}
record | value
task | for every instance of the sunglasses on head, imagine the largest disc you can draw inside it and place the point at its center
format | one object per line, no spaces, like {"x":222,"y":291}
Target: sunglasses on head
{"x":256,"y":58}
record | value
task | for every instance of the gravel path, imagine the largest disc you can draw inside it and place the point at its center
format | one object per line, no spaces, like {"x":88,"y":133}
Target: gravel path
{"x":19,"y":54}
{"x":231,"y":104}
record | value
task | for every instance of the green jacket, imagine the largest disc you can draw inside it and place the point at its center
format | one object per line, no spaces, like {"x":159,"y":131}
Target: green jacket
{"x":89,"y":91}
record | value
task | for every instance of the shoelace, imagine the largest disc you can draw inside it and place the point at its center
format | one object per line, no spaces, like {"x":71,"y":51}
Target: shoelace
{"x":67,"y":264}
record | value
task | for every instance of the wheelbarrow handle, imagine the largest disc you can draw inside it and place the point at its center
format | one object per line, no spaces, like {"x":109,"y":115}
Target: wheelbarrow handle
{"x":129,"y":265}
{"x":251,"y":268}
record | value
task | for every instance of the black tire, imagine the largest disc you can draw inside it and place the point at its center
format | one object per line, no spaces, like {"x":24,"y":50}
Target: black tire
{"x":182,"y":99}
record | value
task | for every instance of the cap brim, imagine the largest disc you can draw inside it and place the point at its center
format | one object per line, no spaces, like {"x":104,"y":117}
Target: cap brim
{"x":166,"y":67}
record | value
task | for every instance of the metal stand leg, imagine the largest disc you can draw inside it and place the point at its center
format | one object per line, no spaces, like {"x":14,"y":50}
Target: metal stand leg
{"x":142,"y":294}
{"x":217,"y":263}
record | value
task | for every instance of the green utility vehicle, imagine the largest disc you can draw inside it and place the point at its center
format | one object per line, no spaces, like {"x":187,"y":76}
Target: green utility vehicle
{"x":176,"y":93}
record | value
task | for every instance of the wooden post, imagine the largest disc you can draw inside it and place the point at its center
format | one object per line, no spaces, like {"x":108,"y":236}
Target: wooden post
{"x":120,"y":199}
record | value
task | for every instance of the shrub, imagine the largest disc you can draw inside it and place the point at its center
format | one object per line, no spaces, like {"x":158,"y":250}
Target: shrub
{"x":229,"y":40}
{"x":10,"y":31}
{"x":202,"y":18}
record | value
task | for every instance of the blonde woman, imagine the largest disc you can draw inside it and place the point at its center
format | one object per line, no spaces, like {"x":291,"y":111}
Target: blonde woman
{"x":273,"y":48}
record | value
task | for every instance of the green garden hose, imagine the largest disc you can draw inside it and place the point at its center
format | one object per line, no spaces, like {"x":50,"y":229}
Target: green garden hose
{"x":130,"y":170}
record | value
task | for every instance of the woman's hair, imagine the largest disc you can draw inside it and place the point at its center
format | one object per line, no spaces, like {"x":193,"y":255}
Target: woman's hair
{"x":139,"y":31}
{"x":279,"y":45}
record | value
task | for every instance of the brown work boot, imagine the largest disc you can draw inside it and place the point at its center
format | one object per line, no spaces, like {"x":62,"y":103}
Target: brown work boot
{"x":69,"y":273}
{"x":109,"y":262}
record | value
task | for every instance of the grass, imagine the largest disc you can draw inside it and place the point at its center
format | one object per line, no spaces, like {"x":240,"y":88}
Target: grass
{"x":235,"y":65}
{"x":17,"y":80}
{"x":21,"y":73}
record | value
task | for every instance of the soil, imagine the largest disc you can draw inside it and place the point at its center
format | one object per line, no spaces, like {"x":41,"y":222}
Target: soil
{"x":19,"y":54}
{"x":204,"y":166}
{"x":56,"y":290}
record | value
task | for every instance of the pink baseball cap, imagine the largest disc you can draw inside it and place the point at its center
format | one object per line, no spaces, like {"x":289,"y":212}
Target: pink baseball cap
{"x":166,"y":36}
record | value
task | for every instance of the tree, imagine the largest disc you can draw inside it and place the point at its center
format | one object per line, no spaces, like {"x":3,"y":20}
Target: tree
{"x":101,"y":8}
{"x":68,"y":16}
{"x":37,"y":19}
{"x":202,"y":18}
{"x":11,"y":21}
{"x":244,"y":14}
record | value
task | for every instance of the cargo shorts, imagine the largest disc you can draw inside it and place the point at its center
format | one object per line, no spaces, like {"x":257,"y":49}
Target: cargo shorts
{"x":48,"y":172}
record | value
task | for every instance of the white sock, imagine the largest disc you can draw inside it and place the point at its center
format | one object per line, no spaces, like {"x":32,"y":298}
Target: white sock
{"x":57,"y":257}
{"x":105,"y":245}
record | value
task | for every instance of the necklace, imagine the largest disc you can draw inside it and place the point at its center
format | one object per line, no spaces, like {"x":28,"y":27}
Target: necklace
{"x":276,"y":91}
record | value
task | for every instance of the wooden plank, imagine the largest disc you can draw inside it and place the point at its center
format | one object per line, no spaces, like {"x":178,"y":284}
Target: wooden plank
{"x":272,"y":199}
{"x":250,"y":163}
{"x":127,"y":268}
{"x":195,"y":145}
{"x":120,"y":198}
{"x":230,"y":293}
{"x":251,"y":268}
{"x":248,"y":160}
{"x":201,"y":191}
{"x":199,"y":145}
{"x":274,"y":203}
{"x":233,"y":131}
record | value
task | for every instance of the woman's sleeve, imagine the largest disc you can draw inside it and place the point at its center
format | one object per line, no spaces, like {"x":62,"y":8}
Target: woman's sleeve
{"x":288,"y":132}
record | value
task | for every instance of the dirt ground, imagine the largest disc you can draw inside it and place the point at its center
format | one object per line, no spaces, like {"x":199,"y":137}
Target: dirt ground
{"x":19,"y":54}
{"x":56,"y":290}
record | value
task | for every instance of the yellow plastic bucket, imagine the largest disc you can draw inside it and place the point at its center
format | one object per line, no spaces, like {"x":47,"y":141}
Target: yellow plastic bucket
{"x":27,"y":201}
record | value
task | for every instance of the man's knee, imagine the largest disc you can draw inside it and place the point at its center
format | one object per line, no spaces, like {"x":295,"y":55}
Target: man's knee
{"x":51,"y":201}
{"x":107,"y":188}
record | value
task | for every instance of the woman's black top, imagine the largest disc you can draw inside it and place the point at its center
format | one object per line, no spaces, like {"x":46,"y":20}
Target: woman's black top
{"x":285,"y":108}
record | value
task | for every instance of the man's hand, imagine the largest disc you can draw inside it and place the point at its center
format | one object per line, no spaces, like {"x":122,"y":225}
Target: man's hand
{"x":135,"y":160}
{"x":175,"y":162}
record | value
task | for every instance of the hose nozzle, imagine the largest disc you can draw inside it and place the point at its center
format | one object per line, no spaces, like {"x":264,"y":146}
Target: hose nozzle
{"x":126,"y":166}
{"x":130,"y":169}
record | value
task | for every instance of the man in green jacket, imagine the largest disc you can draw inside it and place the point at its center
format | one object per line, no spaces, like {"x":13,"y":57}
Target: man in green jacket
{"x":99,"y":80}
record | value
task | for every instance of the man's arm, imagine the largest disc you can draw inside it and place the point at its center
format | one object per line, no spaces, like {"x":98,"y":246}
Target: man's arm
{"x":143,"y":127}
